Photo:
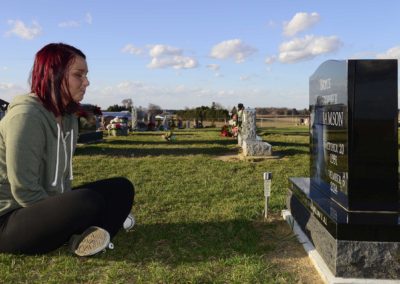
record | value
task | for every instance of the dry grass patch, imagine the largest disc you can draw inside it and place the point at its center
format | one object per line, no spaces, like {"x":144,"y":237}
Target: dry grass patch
{"x":288,"y":254}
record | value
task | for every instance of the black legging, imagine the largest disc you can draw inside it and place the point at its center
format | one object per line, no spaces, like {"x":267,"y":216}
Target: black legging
{"x":49,"y":223}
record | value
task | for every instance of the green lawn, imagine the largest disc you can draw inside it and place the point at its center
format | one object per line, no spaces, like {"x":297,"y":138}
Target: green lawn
{"x":199,"y":217}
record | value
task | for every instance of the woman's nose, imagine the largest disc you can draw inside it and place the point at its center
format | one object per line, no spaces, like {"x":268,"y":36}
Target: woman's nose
{"x":86,"y":82}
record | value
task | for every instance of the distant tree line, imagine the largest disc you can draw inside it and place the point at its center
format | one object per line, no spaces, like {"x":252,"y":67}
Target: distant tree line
{"x":281,"y":111}
{"x":214,"y":113}
{"x":117,"y":108}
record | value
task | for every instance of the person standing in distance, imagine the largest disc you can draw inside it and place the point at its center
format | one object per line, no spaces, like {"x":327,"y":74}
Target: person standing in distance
{"x":240,"y":115}
{"x":39,"y":211}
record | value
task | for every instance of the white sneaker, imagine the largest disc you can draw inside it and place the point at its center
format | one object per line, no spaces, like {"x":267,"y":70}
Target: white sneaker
{"x":129,"y":222}
{"x":92,"y":241}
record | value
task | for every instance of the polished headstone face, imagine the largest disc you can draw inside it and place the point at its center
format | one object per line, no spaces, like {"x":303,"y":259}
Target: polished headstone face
{"x":353,"y":133}
{"x":328,"y":129}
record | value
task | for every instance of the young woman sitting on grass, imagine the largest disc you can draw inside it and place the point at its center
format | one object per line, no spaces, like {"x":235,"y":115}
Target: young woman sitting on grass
{"x":39,"y":212}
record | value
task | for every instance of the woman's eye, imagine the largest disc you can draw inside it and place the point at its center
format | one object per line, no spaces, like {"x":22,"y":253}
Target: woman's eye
{"x":80,"y":76}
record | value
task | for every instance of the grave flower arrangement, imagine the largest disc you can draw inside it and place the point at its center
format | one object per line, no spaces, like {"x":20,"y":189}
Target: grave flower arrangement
{"x":117,"y":126}
{"x":226,"y":131}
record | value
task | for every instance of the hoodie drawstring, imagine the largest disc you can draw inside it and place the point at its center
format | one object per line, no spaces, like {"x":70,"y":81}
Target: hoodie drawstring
{"x":58,"y":153}
{"x":71,"y":175}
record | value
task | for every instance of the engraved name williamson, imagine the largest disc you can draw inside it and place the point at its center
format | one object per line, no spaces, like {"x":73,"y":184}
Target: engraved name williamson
{"x":333,"y":118}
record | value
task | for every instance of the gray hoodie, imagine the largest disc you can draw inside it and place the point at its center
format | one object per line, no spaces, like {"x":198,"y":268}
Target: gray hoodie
{"x":35,"y":153}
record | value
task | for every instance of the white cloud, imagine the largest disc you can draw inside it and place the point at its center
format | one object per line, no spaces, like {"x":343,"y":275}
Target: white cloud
{"x":270,"y":59}
{"x":392,"y":53}
{"x":9,"y":90}
{"x":180,"y":88}
{"x":128,"y":87}
{"x":159,"y":50}
{"x":363,"y":55}
{"x":300,"y":22}
{"x":176,"y":62}
{"x":6,"y":86}
{"x":234,"y":48}
{"x":214,"y":67}
{"x":130,"y":48}
{"x":69,"y":24}
{"x":88,"y":18}
{"x":164,"y":56}
{"x":4,"y":68}
{"x":245,"y":78}
{"x":21,"y":30}
{"x":307,"y":48}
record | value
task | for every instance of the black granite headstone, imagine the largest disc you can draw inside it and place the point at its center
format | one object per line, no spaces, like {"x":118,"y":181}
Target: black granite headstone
{"x":354,"y":133}
{"x":349,"y":207}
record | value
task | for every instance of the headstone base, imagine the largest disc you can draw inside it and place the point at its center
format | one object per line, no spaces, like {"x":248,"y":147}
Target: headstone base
{"x":90,"y":137}
{"x":349,"y":250}
{"x":256,"y":148}
{"x":319,"y":263}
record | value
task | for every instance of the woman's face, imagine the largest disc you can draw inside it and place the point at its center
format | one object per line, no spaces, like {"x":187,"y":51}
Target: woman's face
{"x":77,"y":78}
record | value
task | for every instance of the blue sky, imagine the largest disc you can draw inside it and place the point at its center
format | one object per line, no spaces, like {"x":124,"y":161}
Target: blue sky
{"x":179,"y":54}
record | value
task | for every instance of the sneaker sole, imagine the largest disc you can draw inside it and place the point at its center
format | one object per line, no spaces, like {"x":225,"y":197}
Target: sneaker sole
{"x":129,"y":223}
{"x":94,"y":240}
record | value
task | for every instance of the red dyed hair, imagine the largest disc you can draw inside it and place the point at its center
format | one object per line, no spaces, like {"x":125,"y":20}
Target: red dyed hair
{"x":49,"y":73}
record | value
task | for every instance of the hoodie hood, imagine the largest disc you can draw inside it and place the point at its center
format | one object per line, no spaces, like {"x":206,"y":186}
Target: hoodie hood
{"x":31,"y":103}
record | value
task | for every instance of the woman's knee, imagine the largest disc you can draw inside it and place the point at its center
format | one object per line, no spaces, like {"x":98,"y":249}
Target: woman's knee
{"x":90,"y":202}
{"x":114,"y":190}
{"x":124,"y":186}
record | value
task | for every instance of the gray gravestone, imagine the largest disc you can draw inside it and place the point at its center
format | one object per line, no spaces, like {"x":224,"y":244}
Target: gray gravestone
{"x":251,"y":143}
{"x":248,"y":129}
{"x":134,"y":118}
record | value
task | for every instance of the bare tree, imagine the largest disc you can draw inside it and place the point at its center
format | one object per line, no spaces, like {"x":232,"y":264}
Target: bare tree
{"x":127,"y":103}
{"x":216,"y":105}
{"x":154,"y":109}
